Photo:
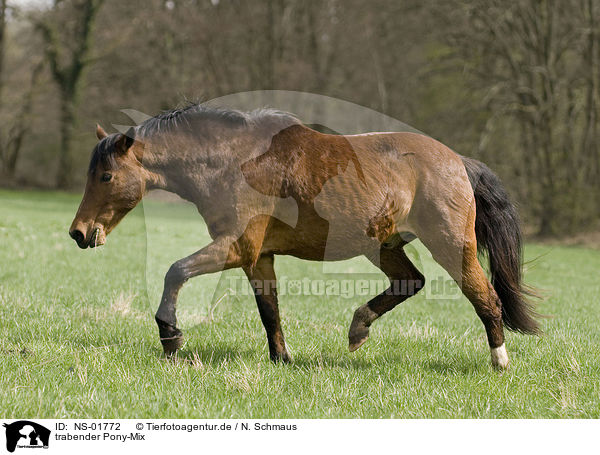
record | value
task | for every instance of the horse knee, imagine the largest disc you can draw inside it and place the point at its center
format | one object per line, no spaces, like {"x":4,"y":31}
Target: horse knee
{"x":177,"y":275}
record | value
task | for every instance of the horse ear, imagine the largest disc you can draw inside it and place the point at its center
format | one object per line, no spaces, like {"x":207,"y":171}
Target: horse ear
{"x":124,"y":141}
{"x":100,"y":133}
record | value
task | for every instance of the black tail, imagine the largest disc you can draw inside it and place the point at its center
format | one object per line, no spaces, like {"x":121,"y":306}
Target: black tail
{"x":499,"y":234}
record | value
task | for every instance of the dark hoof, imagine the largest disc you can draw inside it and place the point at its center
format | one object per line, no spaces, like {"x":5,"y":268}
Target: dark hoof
{"x":282,"y":357}
{"x":171,"y":337}
{"x":357,"y":337}
{"x":359,"y":329}
{"x":171,"y":345}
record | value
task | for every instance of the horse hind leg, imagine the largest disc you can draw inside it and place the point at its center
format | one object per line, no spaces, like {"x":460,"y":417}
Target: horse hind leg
{"x":488,"y":307}
{"x":405,"y":281}
{"x":457,"y":254}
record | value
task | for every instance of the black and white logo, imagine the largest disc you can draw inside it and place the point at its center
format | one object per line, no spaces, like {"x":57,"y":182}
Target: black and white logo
{"x":26,"y":434}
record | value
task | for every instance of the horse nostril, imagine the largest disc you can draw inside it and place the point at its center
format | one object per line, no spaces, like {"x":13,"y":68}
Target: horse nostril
{"x":77,"y":235}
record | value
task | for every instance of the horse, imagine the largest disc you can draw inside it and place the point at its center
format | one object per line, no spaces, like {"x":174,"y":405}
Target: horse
{"x":267,"y":185}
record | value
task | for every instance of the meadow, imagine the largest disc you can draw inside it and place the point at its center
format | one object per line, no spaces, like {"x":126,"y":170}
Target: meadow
{"x":78,"y":338}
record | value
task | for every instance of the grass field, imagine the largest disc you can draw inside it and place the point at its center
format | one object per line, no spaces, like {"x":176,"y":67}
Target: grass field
{"x":78,"y":338}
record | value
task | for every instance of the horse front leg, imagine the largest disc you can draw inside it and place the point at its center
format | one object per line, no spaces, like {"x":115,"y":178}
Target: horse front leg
{"x":220,"y":255}
{"x":263,"y":280}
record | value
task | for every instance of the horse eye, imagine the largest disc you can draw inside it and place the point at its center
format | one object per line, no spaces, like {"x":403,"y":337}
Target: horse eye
{"x":106,"y":177}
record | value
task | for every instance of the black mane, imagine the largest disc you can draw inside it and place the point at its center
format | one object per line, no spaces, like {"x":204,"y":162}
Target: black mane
{"x":183,"y":117}
{"x":169,"y":119}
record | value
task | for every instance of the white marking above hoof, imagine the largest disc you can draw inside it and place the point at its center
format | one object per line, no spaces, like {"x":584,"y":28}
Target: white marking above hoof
{"x":499,"y":357}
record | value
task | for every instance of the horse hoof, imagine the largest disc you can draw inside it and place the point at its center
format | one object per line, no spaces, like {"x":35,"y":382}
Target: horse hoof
{"x":358,"y":334}
{"x":282,"y":357}
{"x":171,"y":337}
{"x":353,"y":346}
{"x":359,"y":329}
{"x":171,"y":345}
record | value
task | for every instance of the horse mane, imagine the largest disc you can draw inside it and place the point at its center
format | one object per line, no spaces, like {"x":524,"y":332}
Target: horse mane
{"x":168,"y":121}
{"x":189,"y":118}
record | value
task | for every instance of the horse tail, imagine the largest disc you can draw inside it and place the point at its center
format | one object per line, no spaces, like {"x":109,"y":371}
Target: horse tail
{"x":498,"y":233}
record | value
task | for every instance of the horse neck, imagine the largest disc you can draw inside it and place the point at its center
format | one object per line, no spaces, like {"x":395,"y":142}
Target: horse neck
{"x":187,"y":165}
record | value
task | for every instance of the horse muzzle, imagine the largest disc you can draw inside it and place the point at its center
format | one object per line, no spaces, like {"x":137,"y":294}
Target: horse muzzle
{"x":96,"y":238}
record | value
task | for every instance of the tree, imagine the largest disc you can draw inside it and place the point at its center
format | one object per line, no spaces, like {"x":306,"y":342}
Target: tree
{"x":537,"y":64}
{"x":13,"y":131}
{"x":67,"y":33}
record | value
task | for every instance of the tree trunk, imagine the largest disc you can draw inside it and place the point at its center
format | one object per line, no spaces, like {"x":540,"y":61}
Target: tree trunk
{"x":2,"y":28}
{"x":2,"y":33}
{"x":68,"y":74}
{"x":65,"y":165}
{"x":21,"y":125}
{"x":548,"y":216}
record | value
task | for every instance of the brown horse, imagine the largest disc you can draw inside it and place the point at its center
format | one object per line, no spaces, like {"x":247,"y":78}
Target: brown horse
{"x":268,"y":185}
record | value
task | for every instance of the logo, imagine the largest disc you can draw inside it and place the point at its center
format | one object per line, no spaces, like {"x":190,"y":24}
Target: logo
{"x":26,"y":434}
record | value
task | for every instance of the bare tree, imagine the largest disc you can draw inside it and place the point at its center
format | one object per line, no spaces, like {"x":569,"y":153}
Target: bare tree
{"x":527,"y":58}
{"x":67,"y":33}
{"x":12,"y":132}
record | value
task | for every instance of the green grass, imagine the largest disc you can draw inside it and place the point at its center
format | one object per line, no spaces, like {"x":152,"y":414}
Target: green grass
{"x":78,"y":339}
